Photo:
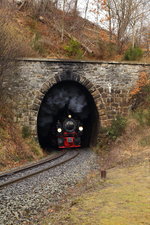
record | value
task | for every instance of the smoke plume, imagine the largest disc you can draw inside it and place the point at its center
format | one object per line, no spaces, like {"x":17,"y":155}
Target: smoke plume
{"x":63,"y":99}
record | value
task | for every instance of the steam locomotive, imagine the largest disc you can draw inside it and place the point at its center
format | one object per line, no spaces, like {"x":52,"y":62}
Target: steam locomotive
{"x":69,"y":132}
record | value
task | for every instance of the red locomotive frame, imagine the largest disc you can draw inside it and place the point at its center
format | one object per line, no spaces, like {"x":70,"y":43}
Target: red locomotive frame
{"x":69,"y":140}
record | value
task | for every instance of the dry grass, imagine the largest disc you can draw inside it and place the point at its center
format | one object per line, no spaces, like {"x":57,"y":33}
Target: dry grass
{"x":14,"y":150}
{"x":146,"y":59}
{"x":122,"y":198}
{"x":127,"y":149}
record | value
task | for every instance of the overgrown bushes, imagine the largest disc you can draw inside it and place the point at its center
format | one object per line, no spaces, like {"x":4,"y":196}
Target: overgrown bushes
{"x":73,"y":49}
{"x":117,"y":127}
{"x":141,"y":110}
{"x":106,"y":50}
{"x":142,"y":116}
{"x":133,"y":54}
{"x":26,"y":133}
{"x":140,"y":100}
{"x":111,"y":133}
{"x":145,"y":141}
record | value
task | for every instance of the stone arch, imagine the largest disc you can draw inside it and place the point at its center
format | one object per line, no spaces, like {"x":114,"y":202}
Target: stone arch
{"x":70,"y":76}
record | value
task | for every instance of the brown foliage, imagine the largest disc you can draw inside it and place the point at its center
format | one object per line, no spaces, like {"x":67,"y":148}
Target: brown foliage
{"x":139,"y":95}
{"x":143,"y":81}
{"x":106,"y":50}
{"x":11,"y":47}
{"x":14,"y":150}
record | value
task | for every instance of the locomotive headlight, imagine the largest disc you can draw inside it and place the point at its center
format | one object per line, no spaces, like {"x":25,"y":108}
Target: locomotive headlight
{"x":69,"y":125}
{"x":59,"y":130}
{"x":80,"y":128}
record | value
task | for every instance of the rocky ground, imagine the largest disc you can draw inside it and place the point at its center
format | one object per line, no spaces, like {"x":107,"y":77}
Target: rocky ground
{"x":27,"y":201}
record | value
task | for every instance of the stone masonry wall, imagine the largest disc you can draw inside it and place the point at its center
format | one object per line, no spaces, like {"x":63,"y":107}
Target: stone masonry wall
{"x":109,"y":84}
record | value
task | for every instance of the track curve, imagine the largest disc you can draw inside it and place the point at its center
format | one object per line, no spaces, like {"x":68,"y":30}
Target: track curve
{"x":8,"y":178}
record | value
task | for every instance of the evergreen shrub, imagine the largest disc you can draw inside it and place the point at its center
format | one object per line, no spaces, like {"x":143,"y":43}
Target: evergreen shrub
{"x":133,"y":54}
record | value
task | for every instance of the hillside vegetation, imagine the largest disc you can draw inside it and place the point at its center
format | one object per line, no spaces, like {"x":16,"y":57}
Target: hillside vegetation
{"x":17,"y":147}
{"x":42,"y":36}
{"x":46,"y":32}
{"x":40,"y":32}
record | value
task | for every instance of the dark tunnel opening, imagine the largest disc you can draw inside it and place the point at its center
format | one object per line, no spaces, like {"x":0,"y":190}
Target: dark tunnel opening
{"x":63,"y":99}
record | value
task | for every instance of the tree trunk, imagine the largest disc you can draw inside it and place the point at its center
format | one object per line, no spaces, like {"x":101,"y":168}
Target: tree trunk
{"x":86,"y":9}
{"x":133,"y":36}
{"x":75,"y":6}
{"x":63,"y":21}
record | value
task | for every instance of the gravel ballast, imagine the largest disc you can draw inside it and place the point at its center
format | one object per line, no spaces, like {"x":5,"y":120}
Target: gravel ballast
{"x":21,"y":202}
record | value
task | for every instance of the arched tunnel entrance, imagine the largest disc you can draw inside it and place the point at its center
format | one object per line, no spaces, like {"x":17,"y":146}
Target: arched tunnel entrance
{"x":63,"y":99}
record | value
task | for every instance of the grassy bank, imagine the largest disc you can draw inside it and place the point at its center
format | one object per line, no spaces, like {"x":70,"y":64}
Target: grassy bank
{"x":121,"y":199}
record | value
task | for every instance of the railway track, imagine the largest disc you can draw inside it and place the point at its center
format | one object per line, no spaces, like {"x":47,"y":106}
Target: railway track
{"x":17,"y":175}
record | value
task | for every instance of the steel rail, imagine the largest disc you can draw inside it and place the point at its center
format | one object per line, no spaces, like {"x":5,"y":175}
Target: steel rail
{"x":31,"y":165}
{"x":16,"y":180}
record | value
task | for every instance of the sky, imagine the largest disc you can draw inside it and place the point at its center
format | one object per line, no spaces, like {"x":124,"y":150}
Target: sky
{"x":82,"y":6}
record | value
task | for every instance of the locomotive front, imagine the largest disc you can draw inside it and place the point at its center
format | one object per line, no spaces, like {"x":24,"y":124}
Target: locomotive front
{"x":69,"y":132}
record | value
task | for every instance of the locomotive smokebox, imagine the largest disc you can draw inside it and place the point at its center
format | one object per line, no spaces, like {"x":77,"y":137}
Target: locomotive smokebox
{"x":67,"y":99}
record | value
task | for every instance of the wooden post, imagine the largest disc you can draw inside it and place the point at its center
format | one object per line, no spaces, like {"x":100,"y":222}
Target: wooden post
{"x":103,"y":174}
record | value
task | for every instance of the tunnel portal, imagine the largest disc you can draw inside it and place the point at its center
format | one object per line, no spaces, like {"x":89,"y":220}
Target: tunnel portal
{"x":63,"y":99}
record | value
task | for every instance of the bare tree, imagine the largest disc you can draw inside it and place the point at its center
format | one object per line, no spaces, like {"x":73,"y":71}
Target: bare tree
{"x":145,"y":39}
{"x":56,"y":3}
{"x":63,"y":20}
{"x":75,"y":4}
{"x":86,"y":9}
{"x":121,"y":17}
{"x":124,"y":16}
